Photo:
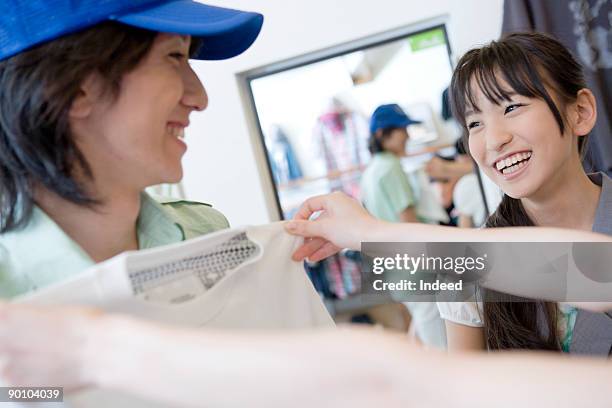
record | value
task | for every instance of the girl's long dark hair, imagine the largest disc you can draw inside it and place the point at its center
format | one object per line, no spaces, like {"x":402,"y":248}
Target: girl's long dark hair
{"x":529,"y":63}
{"x":511,"y":322}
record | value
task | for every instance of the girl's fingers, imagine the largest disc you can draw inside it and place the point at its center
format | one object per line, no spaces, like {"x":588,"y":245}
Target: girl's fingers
{"x":310,"y":206}
{"x":303,"y":228}
{"x":308,"y":248}
{"x":327,"y":250}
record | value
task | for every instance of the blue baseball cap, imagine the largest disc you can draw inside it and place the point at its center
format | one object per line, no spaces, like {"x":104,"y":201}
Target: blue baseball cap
{"x":225,"y":32}
{"x":390,"y":116}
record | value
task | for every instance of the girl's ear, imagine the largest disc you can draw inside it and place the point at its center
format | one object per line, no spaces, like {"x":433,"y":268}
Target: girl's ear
{"x":83,"y":103}
{"x":583,"y":113}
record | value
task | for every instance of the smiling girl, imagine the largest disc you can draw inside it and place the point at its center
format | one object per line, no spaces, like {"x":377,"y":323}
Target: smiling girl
{"x":527,"y":111}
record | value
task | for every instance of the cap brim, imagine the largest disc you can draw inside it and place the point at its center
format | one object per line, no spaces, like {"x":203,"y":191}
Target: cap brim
{"x":225,"y":32}
{"x":408,"y":122}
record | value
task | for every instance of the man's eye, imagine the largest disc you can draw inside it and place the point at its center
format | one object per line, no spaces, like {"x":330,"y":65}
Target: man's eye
{"x":179,"y":56}
{"x":512,"y":107}
{"x":472,"y":125}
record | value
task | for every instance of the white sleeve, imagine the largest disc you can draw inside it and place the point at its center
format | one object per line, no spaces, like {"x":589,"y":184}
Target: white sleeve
{"x":467,"y":198}
{"x":465,"y":313}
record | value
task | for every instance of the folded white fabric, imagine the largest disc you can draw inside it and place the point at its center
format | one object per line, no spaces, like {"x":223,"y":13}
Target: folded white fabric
{"x":238,"y":278}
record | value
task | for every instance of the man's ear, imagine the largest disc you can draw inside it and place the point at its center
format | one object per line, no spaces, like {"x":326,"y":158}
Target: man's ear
{"x":83,"y":103}
{"x":583,"y":113}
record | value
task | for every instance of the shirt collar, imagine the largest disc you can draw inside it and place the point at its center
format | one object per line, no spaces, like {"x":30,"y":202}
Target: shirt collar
{"x":155,"y":226}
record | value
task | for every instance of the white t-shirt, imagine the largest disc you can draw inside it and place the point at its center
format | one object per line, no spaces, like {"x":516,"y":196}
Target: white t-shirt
{"x":466,"y":313}
{"x":468,"y":198}
{"x":239,"y":278}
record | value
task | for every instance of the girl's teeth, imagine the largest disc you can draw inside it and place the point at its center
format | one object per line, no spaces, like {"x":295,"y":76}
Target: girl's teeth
{"x":512,"y":169}
{"x":510,"y":162}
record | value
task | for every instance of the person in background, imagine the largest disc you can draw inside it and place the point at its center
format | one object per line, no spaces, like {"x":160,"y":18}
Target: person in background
{"x":385,"y":190}
{"x":387,"y":194}
{"x":447,"y":173}
{"x":454,"y":168}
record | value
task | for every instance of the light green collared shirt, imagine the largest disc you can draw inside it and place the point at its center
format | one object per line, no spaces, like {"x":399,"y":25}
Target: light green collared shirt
{"x":41,"y":253}
{"x":385,"y":188}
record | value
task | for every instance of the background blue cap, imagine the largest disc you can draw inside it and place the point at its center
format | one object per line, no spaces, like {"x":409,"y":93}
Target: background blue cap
{"x":225,"y":32}
{"x":390,"y":116}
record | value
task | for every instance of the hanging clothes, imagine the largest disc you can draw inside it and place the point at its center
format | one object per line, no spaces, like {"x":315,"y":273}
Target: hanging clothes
{"x":334,"y":276}
{"x":283,"y":160}
{"x":338,"y":276}
{"x":351,"y":271}
{"x":584,"y":27}
{"x":340,"y":139}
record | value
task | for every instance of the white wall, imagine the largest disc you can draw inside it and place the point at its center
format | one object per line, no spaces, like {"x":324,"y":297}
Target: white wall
{"x":224,"y":165}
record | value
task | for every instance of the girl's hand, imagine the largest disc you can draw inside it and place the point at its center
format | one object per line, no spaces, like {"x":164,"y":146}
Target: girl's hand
{"x":342,"y":223}
{"x":46,"y":347}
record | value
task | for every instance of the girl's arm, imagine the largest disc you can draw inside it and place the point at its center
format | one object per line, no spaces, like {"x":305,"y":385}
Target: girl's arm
{"x":359,"y":368}
{"x":77,"y":348}
{"x":460,"y":337}
{"x":343,"y":223}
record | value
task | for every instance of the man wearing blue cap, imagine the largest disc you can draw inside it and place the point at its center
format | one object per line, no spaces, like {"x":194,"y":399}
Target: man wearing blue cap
{"x":386,"y":191}
{"x":94,"y":99}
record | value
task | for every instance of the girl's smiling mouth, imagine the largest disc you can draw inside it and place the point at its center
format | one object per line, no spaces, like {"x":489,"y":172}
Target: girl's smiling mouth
{"x":513,"y":163}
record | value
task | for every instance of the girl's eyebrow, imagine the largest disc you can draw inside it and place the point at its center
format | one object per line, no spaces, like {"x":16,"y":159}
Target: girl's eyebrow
{"x":471,"y":111}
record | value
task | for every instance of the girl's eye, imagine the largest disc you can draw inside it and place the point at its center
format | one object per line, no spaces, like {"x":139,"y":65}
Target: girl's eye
{"x":472,"y":125}
{"x":512,"y":107}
